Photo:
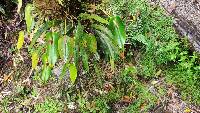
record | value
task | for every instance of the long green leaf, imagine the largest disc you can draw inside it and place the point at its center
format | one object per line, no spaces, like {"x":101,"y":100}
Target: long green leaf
{"x":61,"y":48}
{"x":112,"y":63}
{"x":52,"y":47}
{"x":46,"y":72}
{"x":78,"y":40}
{"x":73,"y":73}
{"x":85,"y":16}
{"x":79,"y":32}
{"x":107,"y":32}
{"x":85,"y":60}
{"x":91,"y":42}
{"x":117,"y":27}
{"x":105,"y":40}
{"x":104,"y":30}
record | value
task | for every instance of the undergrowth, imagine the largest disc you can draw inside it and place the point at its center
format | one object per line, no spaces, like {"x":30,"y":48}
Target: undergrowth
{"x":162,"y":48}
{"x":153,"y":50}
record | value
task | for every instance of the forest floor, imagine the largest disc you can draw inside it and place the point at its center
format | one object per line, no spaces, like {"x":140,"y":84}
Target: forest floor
{"x":136,"y":85}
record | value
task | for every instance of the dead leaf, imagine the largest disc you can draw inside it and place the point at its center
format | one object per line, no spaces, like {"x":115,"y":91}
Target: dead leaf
{"x":122,"y":55}
{"x":127,"y":99}
{"x":8,"y":77}
{"x":143,"y":106}
{"x":92,"y":8}
{"x":108,"y":87}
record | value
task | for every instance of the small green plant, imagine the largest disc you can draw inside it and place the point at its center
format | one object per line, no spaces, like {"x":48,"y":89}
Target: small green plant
{"x":4,"y":105}
{"x":49,"y":106}
{"x":72,"y":41}
{"x":186,"y":76}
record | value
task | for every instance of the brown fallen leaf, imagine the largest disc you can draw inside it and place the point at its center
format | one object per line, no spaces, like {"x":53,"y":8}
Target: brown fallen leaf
{"x":92,"y":8}
{"x":142,"y":106}
{"x":108,"y":87}
{"x":7,"y":77}
{"x":122,"y":55}
{"x":127,"y":99}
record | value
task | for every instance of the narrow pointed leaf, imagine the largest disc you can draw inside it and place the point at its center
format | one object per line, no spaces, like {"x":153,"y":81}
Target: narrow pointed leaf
{"x":91,"y":42}
{"x":85,"y":16}
{"x":52,"y":48}
{"x":85,"y":60}
{"x":108,"y":43}
{"x":78,"y":42}
{"x":79,"y":32}
{"x":104,"y":30}
{"x":73,"y":73}
{"x":61,"y":48}
{"x":46,"y":72}
{"x":117,"y":27}
{"x":20,"y":40}
{"x":107,"y":35}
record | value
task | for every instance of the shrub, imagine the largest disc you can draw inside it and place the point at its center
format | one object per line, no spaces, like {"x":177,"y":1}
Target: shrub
{"x":74,"y":39}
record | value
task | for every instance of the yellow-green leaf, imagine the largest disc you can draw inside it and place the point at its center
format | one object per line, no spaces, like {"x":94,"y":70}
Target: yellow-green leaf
{"x":19,"y":6}
{"x":20,"y":40}
{"x":73,"y":73}
{"x":63,"y":49}
{"x":34,"y":60}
